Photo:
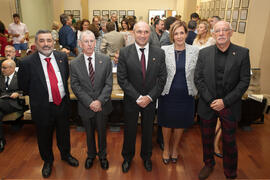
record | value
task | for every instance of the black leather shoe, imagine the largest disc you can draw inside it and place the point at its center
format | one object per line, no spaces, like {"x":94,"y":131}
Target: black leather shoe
{"x":71,"y":161}
{"x":161,"y":145}
{"x":125,"y":166}
{"x":148,"y":165}
{"x":2,"y":144}
{"x":218,"y":155}
{"x":89,"y":163}
{"x":47,"y":169}
{"x":104,"y":164}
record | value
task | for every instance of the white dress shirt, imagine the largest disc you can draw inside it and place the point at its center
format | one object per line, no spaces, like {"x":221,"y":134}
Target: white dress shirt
{"x":57,"y":73}
{"x":10,"y":78}
{"x":87,"y":61}
{"x":146,"y":52}
{"x":20,"y":29}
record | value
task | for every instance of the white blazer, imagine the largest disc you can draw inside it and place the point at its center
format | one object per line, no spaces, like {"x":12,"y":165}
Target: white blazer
{"x":191,"y":60}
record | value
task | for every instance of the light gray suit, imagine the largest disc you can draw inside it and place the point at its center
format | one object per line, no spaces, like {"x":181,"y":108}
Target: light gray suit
{"x":86,"y":94}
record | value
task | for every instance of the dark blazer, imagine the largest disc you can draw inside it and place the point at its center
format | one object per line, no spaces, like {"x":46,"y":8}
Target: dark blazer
{"x":32,"y":81}
{"x":235,"y":80}
{"x":129,"y":73}
{"x":13,"y":87}
{"x":83,"y":89}
{"x":190,"y":38}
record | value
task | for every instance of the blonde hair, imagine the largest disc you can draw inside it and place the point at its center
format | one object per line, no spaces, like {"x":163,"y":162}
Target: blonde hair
{"x":199,"y":37}
{"x":55,"y":25}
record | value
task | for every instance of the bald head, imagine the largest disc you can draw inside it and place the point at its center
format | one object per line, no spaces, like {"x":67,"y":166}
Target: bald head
{"x":222,"y":34}
{"x":8,"y":67}
{"x":142,"y":33}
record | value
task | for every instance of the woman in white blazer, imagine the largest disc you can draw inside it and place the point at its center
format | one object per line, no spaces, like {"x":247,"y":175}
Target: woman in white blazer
{"x":176,"y":104}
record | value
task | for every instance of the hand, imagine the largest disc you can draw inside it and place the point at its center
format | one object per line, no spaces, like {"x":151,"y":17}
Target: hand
{"x":95,"y":106}
{"x":16,"y":35}
{"x":65,"y":51}
{"x":143,"y":101}
{"x":116,"y":56}
{"x":217,"y":105}
{"x":14,"y":95}
{"x":22,"y":40}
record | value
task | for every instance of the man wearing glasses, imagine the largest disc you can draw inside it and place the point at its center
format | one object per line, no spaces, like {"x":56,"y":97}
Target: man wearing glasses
{"x":222,"y":76}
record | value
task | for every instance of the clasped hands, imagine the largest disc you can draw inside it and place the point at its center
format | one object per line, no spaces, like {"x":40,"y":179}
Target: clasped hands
{"x":95,"y":106}
{"x":217,"y":105}
{"x":143,"y":101}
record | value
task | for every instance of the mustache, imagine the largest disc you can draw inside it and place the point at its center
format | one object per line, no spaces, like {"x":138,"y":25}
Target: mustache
{"x":44,"y":47}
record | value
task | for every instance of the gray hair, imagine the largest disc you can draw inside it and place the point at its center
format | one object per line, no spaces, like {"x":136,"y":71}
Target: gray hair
{"x":87,"y":32}
{"x":10,"y":46}
{"x":41,"y":32}
{"x":225,"y":22}
{"x":63,"y":18}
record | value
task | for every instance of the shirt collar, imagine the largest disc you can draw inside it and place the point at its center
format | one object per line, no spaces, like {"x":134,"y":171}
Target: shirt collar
{"x":92,"y":56}
{"x":146,"y":47}
{"x":11,"y":76}
{"x":42,"y":57}
{"x":225,"y":52}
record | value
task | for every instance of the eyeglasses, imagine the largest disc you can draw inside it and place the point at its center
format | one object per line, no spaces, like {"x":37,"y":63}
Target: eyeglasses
{"x":221,"y":30}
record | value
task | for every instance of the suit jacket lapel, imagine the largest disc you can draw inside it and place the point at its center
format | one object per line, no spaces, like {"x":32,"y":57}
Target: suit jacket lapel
{"x":98,"y":66}
{"x":212,"y":67}
{"x":39,"y":69}
{"x":151,"y":59}
{"x":13,"y":80}
{"x":137,"y":61}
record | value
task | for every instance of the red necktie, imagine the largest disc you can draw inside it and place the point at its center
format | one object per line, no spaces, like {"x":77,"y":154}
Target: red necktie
{"x":53,"y":82}
{"x":143,"y":63}
{"x":91,"y":71}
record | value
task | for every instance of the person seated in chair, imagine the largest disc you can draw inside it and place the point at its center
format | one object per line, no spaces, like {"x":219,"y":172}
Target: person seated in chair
{"x":10,"y":53}
{"x":9,"y":93}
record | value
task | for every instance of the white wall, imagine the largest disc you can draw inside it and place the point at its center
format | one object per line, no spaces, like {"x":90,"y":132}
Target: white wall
{"x":37,"y":14}
{"x":7,"y":8}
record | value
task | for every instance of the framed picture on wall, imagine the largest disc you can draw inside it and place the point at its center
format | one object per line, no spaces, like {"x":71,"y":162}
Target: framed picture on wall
{"x":77,"y":18}
{"x":105,"y":12}
{"x":243,"y":14}
{"x":67,"y":11}
{"x":76,"y":12}
{"x":212,"y":4}
{"x":217,"y":4}
{"x":122,"y":12}
{"x":229,"y":4}
{"x":222,"y":14}
{"x":223,"y":4}
{"x":131,"y":12}
{"x":234,"y":25}
{"x":245,"y":3}
{"x":235,"y":14}
{"x":113,"y":12}
{"x":96,"y":13}
{"x":242,"y":27}
{"x":228,"y":14}
{"x":236,"y":4}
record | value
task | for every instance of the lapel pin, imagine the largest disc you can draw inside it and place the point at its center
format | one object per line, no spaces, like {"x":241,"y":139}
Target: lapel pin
{"x":233,"y":53}
{"x":100,"y":62}
{"x":154,"y":59}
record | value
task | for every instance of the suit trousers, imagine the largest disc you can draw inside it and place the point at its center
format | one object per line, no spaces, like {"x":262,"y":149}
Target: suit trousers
{"x":5,"y":108}
{"x":59,"y":121}
{"x":230,"y":154}
{"x":131,"y":112}
{"x":98,"y":122}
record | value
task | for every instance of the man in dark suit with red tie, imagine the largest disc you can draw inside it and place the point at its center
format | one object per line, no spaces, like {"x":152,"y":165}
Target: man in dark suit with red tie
{"x":141,"y":73}
{"x":43,"y":76}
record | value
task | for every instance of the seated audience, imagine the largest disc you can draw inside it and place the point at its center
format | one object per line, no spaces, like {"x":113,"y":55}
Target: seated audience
{"x":10,"y":53}
{"x":204,"y":38}
{"x":9,"y":93}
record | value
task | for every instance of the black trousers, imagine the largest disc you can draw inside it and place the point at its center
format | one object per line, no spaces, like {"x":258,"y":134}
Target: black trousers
{"x":59,"y":121}
{"x":5,"y":108}
{"x":98,"y":122}
{"x":131,"y":112}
